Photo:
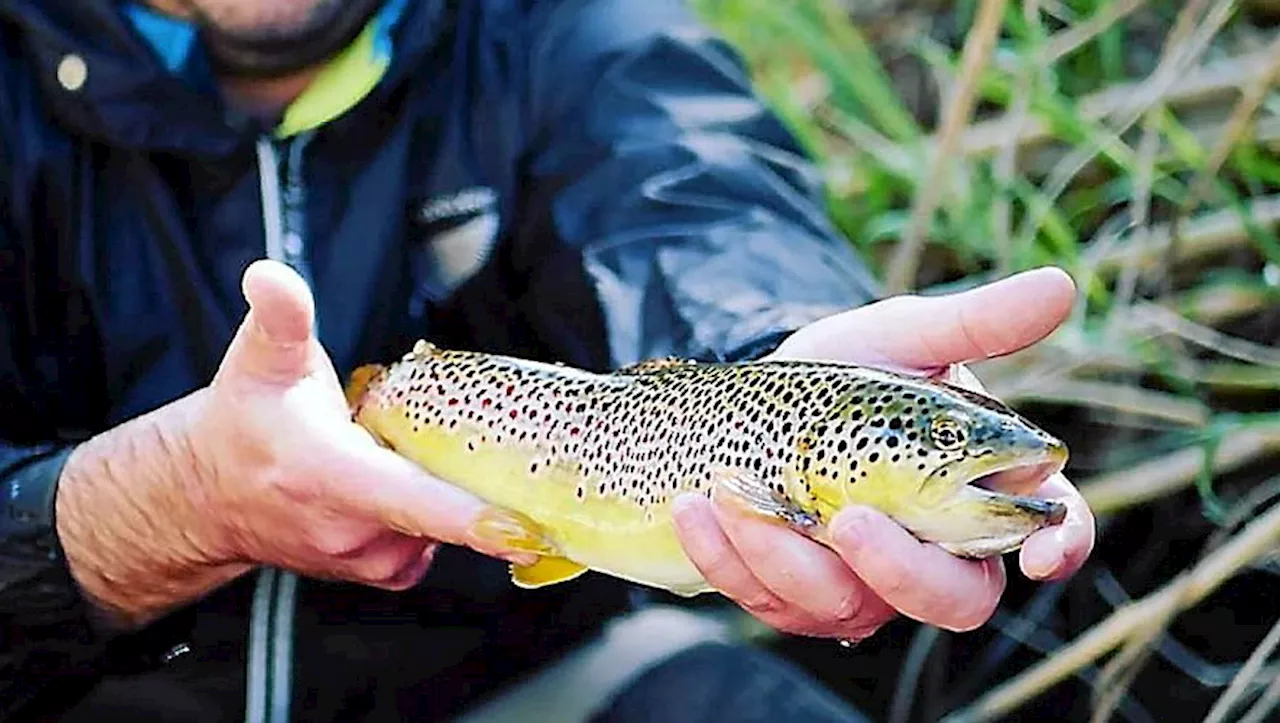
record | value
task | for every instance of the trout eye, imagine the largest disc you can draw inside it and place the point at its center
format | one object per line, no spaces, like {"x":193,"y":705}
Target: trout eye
{"x":948,"y":433}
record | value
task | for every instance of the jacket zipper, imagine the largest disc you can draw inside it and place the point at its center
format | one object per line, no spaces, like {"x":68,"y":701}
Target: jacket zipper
{"x":284,"y":209}
{"x":269,"y":688}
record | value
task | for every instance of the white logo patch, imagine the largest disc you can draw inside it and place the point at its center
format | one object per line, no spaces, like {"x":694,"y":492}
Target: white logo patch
{"x":459,"y":232}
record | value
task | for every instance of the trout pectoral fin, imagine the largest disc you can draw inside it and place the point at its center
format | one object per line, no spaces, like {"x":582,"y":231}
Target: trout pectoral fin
{"x":758,"y":496}
{"x":546,"y":571}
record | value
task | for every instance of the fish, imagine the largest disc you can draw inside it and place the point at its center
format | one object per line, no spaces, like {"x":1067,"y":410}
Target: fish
{"x":590,"y":462}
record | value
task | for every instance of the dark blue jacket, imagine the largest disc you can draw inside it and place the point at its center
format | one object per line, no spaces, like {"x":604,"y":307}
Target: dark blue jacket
{"x":590,"y":181}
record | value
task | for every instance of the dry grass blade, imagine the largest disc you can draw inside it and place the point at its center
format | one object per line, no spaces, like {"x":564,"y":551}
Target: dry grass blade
{"x":1115,"y":678}
{"x":1148,"y":149}
{"x":977,"y":50}
{"x":1148,"y":94}
{"x":1248,"y":672}
{"x":1006,"y":164}
{"x":1267,"y":703}
{"x":1065,"y":42}
{"x":1199,"y":237}
{"x":1174,"y":472}
{"x":917,"y":655}
{"x":1118,"y":674}
{"x":1241,"y":116}
{"x":1153,"y":315}
{"x":1206,"y":84}
{"x":853,"y":137}
{"x":1123,"y":398}
{"x":1220,"y":304}
{"x":1256,"y":540}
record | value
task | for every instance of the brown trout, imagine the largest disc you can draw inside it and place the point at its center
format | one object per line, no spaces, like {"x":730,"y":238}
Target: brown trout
{"x":592,"y":462}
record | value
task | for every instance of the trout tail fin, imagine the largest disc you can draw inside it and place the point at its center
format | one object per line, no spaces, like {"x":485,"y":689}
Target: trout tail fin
{"x":359,"y":382}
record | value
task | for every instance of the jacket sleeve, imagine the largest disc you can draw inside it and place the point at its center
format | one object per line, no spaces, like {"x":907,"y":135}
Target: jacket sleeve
{"x":48,"y":640}
{"x":46,"y":635}
{"x":665,"y":209}
{"x":682,"y":216}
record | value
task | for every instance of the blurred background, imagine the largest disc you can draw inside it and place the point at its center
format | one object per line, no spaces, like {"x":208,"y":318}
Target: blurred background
{"x":1132,"y":143}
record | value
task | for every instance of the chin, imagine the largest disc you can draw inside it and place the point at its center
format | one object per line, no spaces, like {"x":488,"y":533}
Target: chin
{"x":265,"y":20}
{"x":278,"y":37}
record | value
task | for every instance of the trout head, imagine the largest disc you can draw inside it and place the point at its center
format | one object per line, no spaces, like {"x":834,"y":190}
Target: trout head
{"x":953,"y":466}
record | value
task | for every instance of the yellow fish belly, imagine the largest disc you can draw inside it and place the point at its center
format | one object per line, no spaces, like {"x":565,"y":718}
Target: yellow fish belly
{"x":619,"y":537}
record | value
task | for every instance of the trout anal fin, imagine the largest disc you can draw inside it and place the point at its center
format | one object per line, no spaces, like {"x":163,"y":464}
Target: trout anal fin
{"x":546,"y":571}
{"x":767,"y":501}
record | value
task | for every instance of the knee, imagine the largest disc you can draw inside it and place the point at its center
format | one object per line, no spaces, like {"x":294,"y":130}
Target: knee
{"x":725,"y":683}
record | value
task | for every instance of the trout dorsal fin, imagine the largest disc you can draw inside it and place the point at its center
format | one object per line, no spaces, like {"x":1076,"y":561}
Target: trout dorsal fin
{"x":657,"y":364}
{"x":421,"y":350}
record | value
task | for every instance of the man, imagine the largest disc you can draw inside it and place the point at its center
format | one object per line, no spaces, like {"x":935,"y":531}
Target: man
{"x":589,"y":181}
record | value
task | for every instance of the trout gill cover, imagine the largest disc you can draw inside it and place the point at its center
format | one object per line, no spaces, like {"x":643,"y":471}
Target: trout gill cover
{"x":591,"y":462}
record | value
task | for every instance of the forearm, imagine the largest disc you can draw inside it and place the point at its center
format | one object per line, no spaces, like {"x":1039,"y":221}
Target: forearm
{"x":133,"y":523}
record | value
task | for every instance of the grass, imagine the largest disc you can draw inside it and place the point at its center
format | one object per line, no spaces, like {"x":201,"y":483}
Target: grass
{"x":1132,"y":143}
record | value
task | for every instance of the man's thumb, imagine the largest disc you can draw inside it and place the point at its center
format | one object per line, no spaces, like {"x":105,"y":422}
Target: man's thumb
{"x":274,"y":341}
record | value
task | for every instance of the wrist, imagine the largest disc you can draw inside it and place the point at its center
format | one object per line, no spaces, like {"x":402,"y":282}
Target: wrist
{"x":134,"y":521}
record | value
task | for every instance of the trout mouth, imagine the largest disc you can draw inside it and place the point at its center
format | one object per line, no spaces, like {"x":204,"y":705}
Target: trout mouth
{"x":1015,"y":482}
{"x":1019,"y":477}
{"x":991,"y":507}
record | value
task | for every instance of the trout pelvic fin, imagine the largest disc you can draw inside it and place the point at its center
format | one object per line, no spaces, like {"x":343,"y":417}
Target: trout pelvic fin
{"x":546,"y":571}
{"x":757,"y":495}
{"x":359,"y":382}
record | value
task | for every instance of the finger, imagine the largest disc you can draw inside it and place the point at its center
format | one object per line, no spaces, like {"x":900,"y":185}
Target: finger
{"x":273,"y":344}
{"x":710,"y":551}
{"x":989,"y":321}
{"x":358,"y":557}
{"x":927,"y":332}
{"x":921,"y":581}
{"x":397,"y":564}
{"x":414,"y":574}
{"x":382,"y":485}
{"x":713,"y":554}
{"x":1060,"y":551}
{"x":799,"y":571}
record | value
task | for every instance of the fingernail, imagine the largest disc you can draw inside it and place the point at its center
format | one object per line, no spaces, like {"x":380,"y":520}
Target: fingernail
{"x":1043,"y":560}
{"x":512,"y":532}
{"x":682,"y":507}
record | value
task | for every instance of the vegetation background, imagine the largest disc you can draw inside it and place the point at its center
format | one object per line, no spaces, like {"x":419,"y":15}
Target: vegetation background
{"x":1134,"y":144}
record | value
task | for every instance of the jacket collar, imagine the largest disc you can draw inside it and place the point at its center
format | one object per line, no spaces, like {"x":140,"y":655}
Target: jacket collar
{"x":112,"y":71}
{"x":341,"y":84}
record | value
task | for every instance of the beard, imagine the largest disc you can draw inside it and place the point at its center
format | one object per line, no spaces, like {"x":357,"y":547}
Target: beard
{"x":276,"y":38}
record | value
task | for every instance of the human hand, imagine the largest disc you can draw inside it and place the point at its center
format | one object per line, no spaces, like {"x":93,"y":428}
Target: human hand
{"x":877,"y":570}
{"x":262,"y":467}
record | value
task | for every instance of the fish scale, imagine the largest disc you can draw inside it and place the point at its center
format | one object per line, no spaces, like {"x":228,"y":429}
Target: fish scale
{"x":592,"y":462}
